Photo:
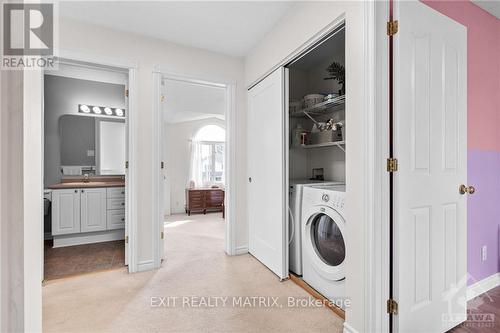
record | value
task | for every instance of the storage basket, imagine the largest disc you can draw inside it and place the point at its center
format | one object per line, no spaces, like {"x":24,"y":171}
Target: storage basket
{"x":326,"y":136}
{"x":312,"y":99}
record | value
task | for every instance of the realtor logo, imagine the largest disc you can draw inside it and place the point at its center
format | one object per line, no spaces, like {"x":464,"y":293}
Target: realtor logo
{"x":28,"y":35}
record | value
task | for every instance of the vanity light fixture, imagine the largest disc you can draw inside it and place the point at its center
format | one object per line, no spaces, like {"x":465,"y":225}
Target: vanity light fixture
{"x":98,"y":111}
{"x":84,"y":108}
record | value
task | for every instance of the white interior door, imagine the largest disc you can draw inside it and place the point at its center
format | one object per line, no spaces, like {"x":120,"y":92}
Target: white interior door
{"x":266,"y":172}
{"x":430,"y":269}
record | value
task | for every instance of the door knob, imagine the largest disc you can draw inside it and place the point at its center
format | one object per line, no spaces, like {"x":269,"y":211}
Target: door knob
{"x":463,"y":189}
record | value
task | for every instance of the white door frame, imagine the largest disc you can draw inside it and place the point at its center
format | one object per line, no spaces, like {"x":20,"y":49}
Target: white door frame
{"x":35,"y":110}
{"x":160,"y":73}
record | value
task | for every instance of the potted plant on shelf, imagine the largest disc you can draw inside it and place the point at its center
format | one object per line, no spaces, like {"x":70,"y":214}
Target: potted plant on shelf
{"x":336,"y":71}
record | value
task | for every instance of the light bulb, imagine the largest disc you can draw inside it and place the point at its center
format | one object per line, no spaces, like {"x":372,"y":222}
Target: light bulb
{"x":84,"y":108}
{"x":108,"y":111}
{"x":97,"y":110}
{"x":119,"y":112}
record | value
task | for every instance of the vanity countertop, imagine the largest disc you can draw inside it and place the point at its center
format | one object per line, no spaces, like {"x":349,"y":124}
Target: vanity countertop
{"x":61,"y":186}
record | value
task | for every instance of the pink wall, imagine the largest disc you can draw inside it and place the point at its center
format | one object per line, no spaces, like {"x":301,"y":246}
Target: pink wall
{"x":483,"y":50}
{"x":483,"y":142}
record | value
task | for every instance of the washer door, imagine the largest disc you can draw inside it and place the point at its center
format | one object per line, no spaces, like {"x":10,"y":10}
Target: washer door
{"x":325,"y":243}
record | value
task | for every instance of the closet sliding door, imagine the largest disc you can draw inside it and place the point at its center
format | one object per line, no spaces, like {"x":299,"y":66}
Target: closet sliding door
{"x":266,"y":172}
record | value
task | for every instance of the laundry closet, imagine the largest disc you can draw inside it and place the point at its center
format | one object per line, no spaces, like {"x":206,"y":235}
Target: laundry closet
{"x":317,"y":112}
{"x":296,"y":200}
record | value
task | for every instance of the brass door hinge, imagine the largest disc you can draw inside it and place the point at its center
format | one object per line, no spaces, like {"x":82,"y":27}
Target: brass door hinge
{"x":392,"y":164}
{"x":392,"y":28}
{"x":126,"y":92}
{"x":126,"y":239}
{"x":392,"y":306}
{"x":162,"y":165}
{"x":162,"y":235}
{"x":126,"y":164}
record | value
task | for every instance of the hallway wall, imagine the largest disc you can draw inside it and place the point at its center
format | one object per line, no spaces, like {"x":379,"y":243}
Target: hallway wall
{"x":483,"y":134}
{"x":187,"y":61}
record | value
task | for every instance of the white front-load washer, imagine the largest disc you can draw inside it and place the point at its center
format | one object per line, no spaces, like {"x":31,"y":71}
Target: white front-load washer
{"x":323,"y":240}
{"x":294,"y":220}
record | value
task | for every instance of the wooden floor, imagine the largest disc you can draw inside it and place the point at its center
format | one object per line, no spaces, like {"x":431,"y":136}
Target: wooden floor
{"x":483,"y":314}
{"x":74,"y":260}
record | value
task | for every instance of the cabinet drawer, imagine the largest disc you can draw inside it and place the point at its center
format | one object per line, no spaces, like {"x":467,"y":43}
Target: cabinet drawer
{"x":116,"y":203}
{"x":196,"y":204}
{"x":196,"y":194}
{"x":196,"y":199}
{"x":115,"y":192}
{"x":115,"y":219}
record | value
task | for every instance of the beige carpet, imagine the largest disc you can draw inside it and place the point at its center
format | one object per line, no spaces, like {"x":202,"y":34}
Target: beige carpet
{"x":195,"y":265}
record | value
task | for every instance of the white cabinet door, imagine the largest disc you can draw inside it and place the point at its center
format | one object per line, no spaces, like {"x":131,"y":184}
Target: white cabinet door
{"x":93,"y":208}
{"x":115,"y":219}
{"x":65,"y":211}
{"x":431,"y":146}
{"x":266,"y":172}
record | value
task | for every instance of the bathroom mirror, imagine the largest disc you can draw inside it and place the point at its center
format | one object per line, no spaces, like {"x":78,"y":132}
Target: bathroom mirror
{"x":93,"y":145}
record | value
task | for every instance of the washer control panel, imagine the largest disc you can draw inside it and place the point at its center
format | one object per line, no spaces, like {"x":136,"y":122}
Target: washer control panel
{"x":334,"y":201}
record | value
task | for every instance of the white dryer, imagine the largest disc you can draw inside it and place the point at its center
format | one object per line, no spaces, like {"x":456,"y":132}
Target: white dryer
{"x":294,"y":220}
{"x":323,"y":240}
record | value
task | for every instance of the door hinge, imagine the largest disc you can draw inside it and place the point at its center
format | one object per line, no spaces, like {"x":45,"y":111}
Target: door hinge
{"x":126,"y":164}
{"x":162,"y":165}
{"x":392,"y":28}
{"x":126,"y":239}
{"x":162,"y":98}
{"x":392,"y":164}
{"x":392,"y":306}
{"x":162,"y":235}
{"x":126,"y":92}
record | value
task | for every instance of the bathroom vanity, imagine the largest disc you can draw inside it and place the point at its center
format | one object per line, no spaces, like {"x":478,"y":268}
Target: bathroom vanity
{"x":88,"y":212}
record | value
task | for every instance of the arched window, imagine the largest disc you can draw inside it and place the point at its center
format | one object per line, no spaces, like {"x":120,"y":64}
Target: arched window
{"x":211,"y":133}
{"x":207,"y":162}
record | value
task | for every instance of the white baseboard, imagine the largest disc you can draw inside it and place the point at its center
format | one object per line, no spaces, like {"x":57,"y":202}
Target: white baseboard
{"x":483,"y":286}
{"x":348,"y":328}
{"x":146,"y":265}
{"x":241,"y":250}
{"x":89,"y":238}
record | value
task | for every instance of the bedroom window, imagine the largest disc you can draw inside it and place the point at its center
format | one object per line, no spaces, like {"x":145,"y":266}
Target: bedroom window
{"x":208,"y":158}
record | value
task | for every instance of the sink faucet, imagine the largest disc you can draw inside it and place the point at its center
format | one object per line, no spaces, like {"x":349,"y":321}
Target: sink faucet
{"x":86,"y":178}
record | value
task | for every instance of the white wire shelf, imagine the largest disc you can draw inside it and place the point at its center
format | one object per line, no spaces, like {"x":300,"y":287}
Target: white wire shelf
{"x":339,"y":144}
{"x":330,"y":105}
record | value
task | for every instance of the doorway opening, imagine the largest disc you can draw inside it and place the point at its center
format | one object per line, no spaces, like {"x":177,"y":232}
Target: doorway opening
{"x":85,"y":135}
{"x":195,"y":176}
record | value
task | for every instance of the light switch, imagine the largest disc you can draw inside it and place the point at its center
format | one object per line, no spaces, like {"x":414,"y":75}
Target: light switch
{"x":90,"y":153}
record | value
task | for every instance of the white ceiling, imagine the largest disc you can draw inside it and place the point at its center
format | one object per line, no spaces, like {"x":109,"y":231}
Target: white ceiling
{"x":231,"y":28}
{"x":188,"y":102}
{"x":491,"y":6}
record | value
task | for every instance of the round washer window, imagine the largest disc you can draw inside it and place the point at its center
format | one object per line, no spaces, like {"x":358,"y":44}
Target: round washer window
{"x":327,"y":240}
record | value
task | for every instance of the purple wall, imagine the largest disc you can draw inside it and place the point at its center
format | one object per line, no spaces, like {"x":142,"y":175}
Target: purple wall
{"x":483,"y":132}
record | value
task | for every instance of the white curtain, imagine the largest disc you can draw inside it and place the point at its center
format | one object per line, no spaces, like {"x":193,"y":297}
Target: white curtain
{"x":196,"y":172}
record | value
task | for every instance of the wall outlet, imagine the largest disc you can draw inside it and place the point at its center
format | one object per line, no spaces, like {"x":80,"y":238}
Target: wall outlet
{"x":484,"y":253}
